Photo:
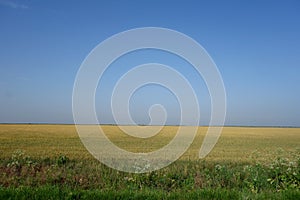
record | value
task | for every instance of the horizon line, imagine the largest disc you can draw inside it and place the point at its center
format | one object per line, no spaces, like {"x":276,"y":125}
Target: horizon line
{"x":111,"y":124}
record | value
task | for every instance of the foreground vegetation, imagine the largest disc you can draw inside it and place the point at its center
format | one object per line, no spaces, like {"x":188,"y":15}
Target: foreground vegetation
{"x":49,"y":162}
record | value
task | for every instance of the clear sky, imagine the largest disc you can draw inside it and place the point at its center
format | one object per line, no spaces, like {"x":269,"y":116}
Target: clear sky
{"x":255,"y":44}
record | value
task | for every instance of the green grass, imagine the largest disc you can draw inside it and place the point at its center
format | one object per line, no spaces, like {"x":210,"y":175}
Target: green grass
{"x":54,"y":192}
{"x":49,"y":162}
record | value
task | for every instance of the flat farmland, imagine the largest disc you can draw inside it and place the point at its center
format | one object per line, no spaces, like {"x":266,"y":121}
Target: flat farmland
{"x":235,"y":143}
{"x":50,"y":162}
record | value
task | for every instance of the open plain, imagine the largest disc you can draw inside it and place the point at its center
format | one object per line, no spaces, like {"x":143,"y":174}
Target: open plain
{"x":246,"y":163}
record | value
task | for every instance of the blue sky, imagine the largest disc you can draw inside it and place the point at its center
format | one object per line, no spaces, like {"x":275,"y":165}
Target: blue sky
{"x":255,"y":44}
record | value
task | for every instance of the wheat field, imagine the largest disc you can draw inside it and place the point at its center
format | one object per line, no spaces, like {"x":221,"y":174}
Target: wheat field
{"x":238,"y":144}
